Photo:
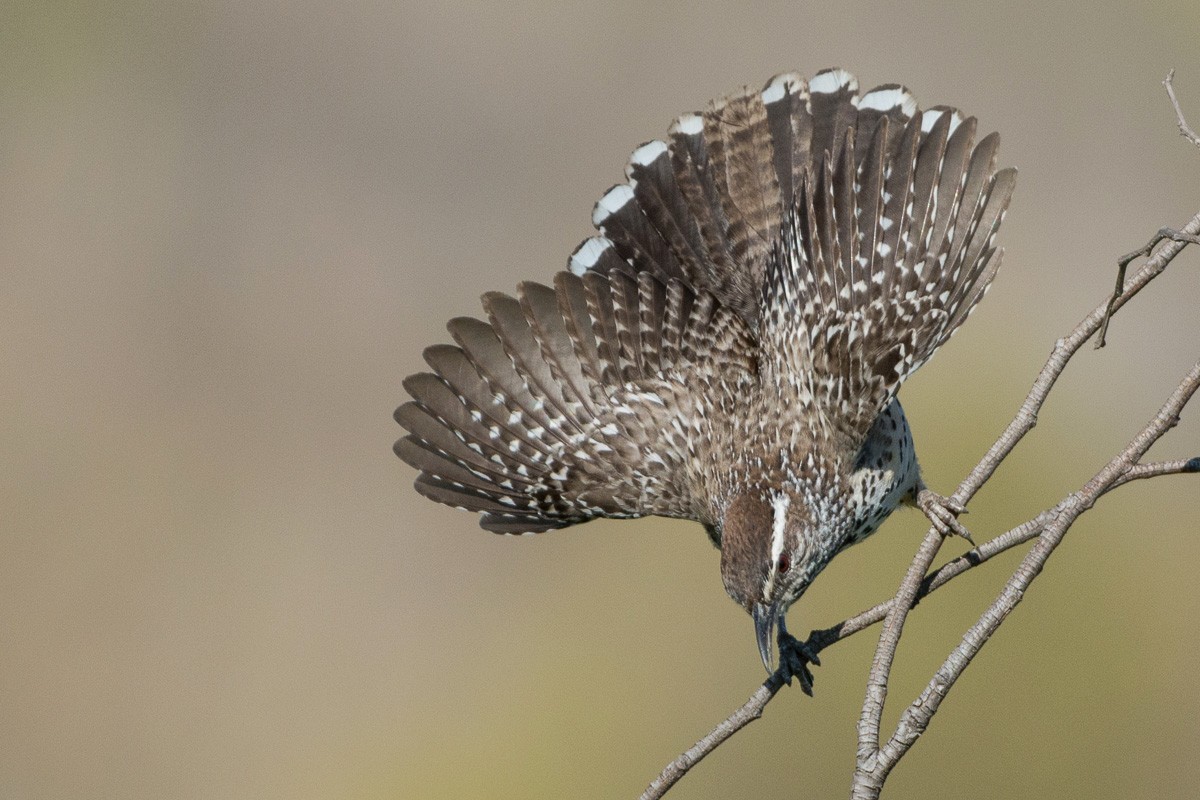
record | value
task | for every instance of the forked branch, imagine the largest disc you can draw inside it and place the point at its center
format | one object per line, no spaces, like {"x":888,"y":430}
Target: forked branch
{"x":1185,"y":130}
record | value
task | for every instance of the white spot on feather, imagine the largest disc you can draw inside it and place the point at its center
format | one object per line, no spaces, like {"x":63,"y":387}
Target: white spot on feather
{"x":887,"y":99}
{"x":931,"y":117}
{"x":782,"y":85}
{"x":832,"y":80}
{"x":647,"y":153}
{"x":612,"y":202}
{"x":587,"y":254}
{"x":688,"y":124}
{"x":773,"y":93}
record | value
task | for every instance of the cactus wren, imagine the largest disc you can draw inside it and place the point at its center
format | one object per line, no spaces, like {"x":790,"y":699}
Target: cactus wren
{"x":728,"y":349}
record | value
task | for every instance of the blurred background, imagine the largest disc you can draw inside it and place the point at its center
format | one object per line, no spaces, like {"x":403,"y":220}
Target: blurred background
{"x":227,"y":230}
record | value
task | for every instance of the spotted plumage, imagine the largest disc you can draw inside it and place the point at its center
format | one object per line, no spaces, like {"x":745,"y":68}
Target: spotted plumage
{"x":729,"y":347}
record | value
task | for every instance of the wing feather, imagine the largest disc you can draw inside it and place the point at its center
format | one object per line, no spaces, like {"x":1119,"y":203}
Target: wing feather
{"x":604,"y":438}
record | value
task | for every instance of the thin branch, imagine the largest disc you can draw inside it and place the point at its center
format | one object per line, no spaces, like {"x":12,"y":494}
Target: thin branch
{"x":916,"y":717}
{"x":820,"y":639}
{"x":885,"y":651}
{"x":751,"y":710}
{"x":1179,"y":466}
{"x":1177,"y":236}
{"x":1064,"y":350}
{"x":1184,"y":129}
{"x":1123,"y":264}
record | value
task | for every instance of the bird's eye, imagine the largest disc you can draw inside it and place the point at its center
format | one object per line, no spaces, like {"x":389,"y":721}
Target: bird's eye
{"x":784,"y":564}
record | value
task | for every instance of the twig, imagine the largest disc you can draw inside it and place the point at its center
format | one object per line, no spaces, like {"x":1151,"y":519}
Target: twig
{"x":820,"y":639}
{"x":1178,"y":467}
{"x":751,"y":710}
{"x":1185,"y":130}
{"x":885,"y":651}
{"x":1064,"y":350}
{"x":1163,"y":233}
{"x":1123,"y":263}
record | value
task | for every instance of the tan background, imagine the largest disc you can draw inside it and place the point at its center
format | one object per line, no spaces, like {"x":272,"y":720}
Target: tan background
{"x":227,"y":231}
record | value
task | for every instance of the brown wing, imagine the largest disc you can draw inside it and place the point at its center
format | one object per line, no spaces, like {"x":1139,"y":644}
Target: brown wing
{"x":571,"y":403}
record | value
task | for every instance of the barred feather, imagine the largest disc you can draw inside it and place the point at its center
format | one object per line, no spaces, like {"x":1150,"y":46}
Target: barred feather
{"x":886,"y":214}
{"x":490,"y":432}
{"x":767,"y":277}
{"x":860,"y":329}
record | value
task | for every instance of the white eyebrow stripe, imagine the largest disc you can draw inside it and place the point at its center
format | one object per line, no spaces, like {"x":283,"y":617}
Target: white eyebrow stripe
{"x":779,"y":509}
{"x":780,"y":505}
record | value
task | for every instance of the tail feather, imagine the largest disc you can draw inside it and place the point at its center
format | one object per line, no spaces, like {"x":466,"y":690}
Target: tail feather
{"x":870,"y":207}
{"x":740,"y":151}
{"x":651,"y":311}
{"x":597,"y":254}
{"x":923,"y":198}
{"x":897,"y":215}
{"x":944,"y":236}
{"x":832,"y":96}
{"x":979,"y":174}
{"x":604,"y":322}
{"x":890,"y":104}
{"x":622,"y":217}
{"x":885,"y":182}
{"x":982,"y":256}
{"x":651,"y":174}
{"x":786,"y":100}
{"x":675,"y":319}
{"x":626,"y":316}
{"x":689,"y":156}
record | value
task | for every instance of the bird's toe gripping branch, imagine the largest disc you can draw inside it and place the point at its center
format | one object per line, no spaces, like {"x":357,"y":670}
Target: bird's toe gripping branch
{"x":943,"y":512}
{"x":794,"y":658}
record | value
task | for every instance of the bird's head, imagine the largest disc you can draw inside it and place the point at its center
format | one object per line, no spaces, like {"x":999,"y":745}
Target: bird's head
{"x":769,"y":555}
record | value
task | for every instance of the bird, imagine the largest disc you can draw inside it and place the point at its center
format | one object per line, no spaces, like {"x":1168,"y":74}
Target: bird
{"x":728,"y":347}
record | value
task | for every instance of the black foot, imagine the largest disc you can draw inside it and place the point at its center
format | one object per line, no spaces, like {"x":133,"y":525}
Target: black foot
{"x":794,"y":658}
{"x":943,"y":513}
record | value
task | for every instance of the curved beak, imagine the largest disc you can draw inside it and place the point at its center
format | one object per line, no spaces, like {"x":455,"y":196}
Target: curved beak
{"x":766,"y":620}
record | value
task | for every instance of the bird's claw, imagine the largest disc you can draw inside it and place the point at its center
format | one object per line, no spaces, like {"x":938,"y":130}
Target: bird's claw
{"x":943,"y":512}
{"x":794,"y":658}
